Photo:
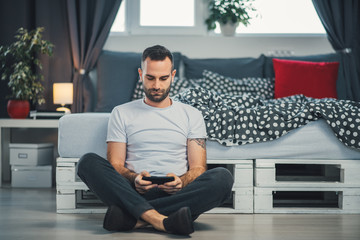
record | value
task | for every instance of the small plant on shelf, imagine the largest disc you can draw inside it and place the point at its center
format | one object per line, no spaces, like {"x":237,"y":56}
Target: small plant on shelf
{"x":20,"y":66}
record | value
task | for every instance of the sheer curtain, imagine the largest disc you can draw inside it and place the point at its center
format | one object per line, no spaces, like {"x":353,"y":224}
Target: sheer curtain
{"x":341,"y":19}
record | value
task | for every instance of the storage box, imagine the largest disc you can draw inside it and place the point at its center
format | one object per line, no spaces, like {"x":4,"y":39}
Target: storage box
{"x":31,"y":176}
{"x":31,"y":154}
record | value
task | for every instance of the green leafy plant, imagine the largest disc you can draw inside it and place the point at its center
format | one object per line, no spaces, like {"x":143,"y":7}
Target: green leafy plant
{"x":224,"y":11}
{"x":20,"y":65}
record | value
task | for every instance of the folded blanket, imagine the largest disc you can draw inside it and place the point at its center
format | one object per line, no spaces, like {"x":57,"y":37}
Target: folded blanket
{"x":238,"y":120}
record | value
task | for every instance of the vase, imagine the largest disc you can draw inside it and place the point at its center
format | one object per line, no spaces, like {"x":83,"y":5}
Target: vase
{"x":18,"y":108}
{"x":228,"y":29}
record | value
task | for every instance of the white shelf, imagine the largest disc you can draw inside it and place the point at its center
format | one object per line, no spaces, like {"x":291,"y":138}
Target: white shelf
{"x":5,"y":134}
{"x":29,"y":123}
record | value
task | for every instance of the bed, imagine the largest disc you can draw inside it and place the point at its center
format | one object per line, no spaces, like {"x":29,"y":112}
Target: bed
{"x":311,"y":166}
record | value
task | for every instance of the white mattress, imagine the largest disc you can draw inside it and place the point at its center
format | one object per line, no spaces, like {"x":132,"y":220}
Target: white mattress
{"x":315,"y":140}
{"x":86,"y":132}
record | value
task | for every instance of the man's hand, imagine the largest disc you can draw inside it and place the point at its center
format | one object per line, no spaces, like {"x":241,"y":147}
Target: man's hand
{"x":143,"y":186}
{"x":172,"y":187}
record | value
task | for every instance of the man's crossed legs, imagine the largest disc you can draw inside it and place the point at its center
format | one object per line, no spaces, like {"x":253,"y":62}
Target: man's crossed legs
{"x":128,"y":209}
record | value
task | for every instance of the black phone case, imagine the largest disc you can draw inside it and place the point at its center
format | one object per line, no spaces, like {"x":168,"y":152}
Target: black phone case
{"x":159,"y":180}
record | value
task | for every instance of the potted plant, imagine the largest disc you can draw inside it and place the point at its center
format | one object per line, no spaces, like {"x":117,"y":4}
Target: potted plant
{"x":20,"y":66}
{"x":229,"y":13}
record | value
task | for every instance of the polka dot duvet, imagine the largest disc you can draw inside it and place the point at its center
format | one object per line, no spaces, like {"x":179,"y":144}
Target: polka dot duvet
{"x":244,"y":119}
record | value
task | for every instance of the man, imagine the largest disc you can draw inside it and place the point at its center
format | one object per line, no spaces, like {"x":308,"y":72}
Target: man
{"x":155,"y":136}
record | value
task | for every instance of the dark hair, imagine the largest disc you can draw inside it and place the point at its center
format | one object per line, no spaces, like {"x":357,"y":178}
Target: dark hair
{"x":157,"y":53}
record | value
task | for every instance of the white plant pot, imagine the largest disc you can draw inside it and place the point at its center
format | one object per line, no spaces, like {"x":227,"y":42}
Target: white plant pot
{"x":228,"y":29}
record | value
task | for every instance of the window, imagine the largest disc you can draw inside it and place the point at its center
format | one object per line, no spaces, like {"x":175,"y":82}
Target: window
{"x":169,"y":13}
{"x":160,"y":17}
{"x":187,"y":17}
{"x":119,"y":22}
{"x":283,"y":17}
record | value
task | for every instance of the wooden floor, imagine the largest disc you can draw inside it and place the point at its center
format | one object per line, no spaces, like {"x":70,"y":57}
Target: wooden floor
{"x":30,"y":214}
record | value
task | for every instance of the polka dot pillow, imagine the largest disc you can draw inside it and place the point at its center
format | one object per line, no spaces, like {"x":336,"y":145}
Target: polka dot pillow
{"x":261,"y":87}
{"x":177,"y":86}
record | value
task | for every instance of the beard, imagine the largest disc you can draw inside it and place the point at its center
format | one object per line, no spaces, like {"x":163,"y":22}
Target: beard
{"x":156,"y":95}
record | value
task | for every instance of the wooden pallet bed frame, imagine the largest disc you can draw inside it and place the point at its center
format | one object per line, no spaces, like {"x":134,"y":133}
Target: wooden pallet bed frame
{"x":259,"y":187}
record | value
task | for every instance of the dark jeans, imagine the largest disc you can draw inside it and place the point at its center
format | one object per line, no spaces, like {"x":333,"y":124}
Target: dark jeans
{"x":209,"y":190}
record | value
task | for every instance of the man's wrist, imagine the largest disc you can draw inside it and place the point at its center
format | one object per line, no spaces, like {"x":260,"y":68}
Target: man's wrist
{"x":183,"y":180}
{"x":134,"y":177}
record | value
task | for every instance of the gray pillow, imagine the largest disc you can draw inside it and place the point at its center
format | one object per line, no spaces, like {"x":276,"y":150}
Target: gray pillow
{"x":117,"y":74}
{"x":229,"y":67}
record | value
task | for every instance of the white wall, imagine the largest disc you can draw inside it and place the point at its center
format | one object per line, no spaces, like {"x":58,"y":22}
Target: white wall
{"x":221,"y":47}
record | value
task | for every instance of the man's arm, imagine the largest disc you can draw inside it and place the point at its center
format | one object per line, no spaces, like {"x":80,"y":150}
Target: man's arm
{"x":196,"y":148}
{"x":116,"y":155}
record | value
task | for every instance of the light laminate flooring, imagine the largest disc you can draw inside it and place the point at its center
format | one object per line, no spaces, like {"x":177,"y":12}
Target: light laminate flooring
{"x":30,"y":214}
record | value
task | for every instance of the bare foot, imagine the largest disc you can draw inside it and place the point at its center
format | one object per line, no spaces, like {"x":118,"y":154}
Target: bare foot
{"x":140,"y":224}
{"x":155,"y":219}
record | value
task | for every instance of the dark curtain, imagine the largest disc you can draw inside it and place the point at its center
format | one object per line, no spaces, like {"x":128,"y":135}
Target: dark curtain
{"x":89,"y":25}
{"x":341,"y":20}
{"x":58,"y":68}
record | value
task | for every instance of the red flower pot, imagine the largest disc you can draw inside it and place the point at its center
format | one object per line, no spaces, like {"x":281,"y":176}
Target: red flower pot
{"x":18,"y":108}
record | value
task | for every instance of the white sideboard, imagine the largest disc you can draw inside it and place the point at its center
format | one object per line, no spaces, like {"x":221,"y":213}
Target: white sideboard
{"x":5,"y":134}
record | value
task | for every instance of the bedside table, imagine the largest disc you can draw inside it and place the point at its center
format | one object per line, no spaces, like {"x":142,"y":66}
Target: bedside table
{"x":6,"y":124}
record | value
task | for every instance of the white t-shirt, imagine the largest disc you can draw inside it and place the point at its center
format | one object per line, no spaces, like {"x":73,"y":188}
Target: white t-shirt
{"x":156,"y":137}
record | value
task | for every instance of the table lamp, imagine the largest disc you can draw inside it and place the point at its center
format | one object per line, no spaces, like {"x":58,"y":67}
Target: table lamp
{"x":63,"y":94}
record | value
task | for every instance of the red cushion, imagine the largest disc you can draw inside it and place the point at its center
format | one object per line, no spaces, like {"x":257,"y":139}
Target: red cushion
{"x":312,"y":79}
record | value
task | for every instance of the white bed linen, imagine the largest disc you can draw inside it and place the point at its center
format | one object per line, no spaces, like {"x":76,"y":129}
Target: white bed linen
{"x":315,"y":140}
{"x":86,"y":132}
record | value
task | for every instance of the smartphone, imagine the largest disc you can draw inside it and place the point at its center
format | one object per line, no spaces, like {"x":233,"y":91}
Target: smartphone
{"x":159,"y":180}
